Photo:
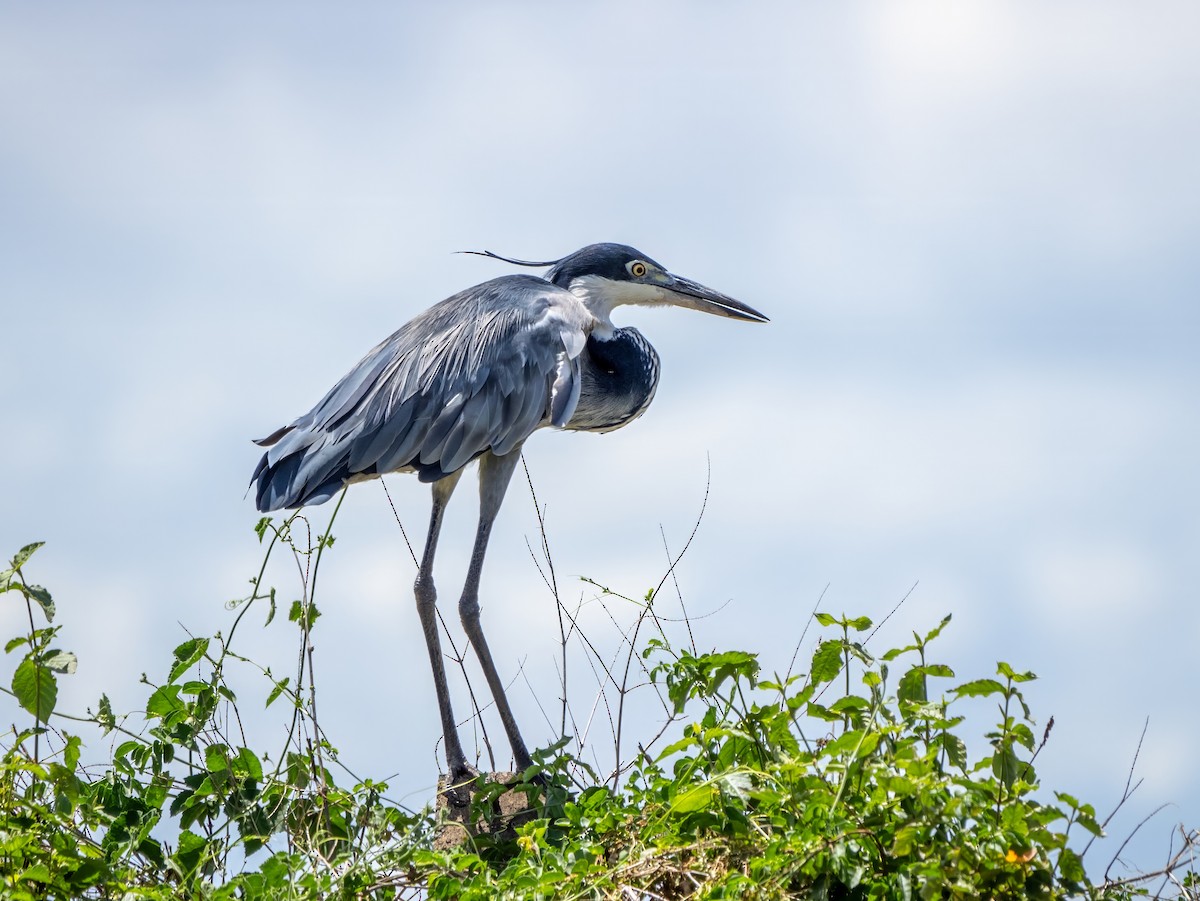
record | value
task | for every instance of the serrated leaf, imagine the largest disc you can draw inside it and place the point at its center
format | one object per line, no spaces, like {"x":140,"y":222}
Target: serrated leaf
{"x":1089,"y":823}
{"x":937,"y":630}
{"x":35,"y":688}
{"x":979,"y":688}
{"x":164,"y":701}
{"x":247,"y":764}
{"x":279,"y":689}
{"x":896,"y":652}
{"x":71,"y":752}
{"x":186,"y":655}
{"x":61,"y":662}
{"x":25,"y":553}
{"x":826,"y":662}
{"x":43,"y":599}
{"x":1005,"y":670}
{"x":216,"y":758}
{"x":938,"y":669}
{"x":1024,"y":735}
{"x":1070,"y":800}
{"x":1071,"y":866}
{"x":956,"y":750}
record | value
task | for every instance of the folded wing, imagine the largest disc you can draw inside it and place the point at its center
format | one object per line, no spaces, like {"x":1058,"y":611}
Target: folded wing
{"x":478,"y":372}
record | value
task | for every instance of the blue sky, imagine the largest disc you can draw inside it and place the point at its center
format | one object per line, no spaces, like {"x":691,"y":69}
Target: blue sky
{"x":973,"y":227}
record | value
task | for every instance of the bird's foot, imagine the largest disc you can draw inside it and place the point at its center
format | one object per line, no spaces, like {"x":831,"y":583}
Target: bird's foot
{"x":457,"y":784}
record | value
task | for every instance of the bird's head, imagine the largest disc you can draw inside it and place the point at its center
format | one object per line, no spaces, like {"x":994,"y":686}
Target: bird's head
{"x":604,"y":276}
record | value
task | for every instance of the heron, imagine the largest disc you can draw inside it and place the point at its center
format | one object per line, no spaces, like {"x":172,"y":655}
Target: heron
{"x":471,"y":378}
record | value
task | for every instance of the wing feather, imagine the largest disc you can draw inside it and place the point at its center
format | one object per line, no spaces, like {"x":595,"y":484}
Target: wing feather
{"x":478,"y":372}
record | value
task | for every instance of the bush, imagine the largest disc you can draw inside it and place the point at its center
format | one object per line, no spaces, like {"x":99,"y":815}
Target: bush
{"x":849,"y":781}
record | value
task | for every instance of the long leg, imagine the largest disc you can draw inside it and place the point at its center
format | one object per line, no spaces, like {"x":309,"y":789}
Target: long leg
{"x":494,"y":475}
{"x":426,"y":596}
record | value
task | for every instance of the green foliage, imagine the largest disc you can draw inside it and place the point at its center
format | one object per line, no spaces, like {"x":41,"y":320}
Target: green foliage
{"x":793,"y":786}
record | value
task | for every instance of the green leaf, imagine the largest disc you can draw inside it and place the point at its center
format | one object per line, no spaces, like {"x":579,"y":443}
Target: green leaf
{"x":816,"y":711}
{"x":37,"y":873}
{"x":164,"y":701}
{"x":860,"y":624}
{"x":938,"y":669}
{"x":868,"y":745}
{"x":1071,"y":866}
{"x":912,"y":687}
{"x":905,"y":840}
{"x":826,"y":662}
{"x":304,"y":614}
{"x":216,"y":758}
{"x":1024,"y":735}
{"x":1070,"y":800}
{"x":280,"y":688}
{"x":71,"y":752}
{"x":849,"y":703}
{"x":247,"y":764}
{"x":979,"y":688}
{"x":104,"y":715}
{"x":18,"y":561}
{"x":61,"y":662}
{"x":738,"y":783}
{"x":930,"y":636}
{"x":896,"y":652}
{"x":1089,"y":823}
{"x":186,"y":655}
{"x":1005,"y":670}
{"x":191,"y":850}
{"x":36,"y":689}
{"x":15,"y":643}
{"x":956,"y":750}
{"x":698,"y":797}
{"x":42,"y":596}
{"x":826,"y":619}
{"x":1006,"y":766}
{"x":847,"y":741}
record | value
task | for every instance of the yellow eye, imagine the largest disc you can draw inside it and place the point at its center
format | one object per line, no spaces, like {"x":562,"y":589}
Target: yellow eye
{"x":637,"y":269}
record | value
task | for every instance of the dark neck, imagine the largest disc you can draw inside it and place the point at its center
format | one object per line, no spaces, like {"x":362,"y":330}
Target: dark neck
{"x":620,"y":375}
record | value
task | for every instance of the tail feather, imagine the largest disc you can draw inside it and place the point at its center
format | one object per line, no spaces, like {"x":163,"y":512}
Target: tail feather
{"x":304,"y":469}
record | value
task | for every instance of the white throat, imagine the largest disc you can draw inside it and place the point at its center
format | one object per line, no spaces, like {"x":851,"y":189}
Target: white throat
{"x":601,"y":295}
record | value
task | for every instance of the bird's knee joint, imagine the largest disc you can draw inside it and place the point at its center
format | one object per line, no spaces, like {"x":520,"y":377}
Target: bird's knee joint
{"x":424,"y":591}
{"x":468,"y":608}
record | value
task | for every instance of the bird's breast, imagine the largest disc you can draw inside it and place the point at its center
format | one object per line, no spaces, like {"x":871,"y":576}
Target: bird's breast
{"x":619,"y":376}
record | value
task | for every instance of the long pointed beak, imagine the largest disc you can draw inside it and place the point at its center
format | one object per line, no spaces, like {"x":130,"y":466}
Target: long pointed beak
{"x":683,"y":292}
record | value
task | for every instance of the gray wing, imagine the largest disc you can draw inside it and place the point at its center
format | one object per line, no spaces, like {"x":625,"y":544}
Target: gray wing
{"x":478,"y":372}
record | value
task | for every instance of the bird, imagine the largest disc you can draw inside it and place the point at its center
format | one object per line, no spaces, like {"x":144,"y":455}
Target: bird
{"x":472,"y":378}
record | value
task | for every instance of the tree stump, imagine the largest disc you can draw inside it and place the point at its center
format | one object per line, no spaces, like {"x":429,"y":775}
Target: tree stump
{"x":508,"y":811}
